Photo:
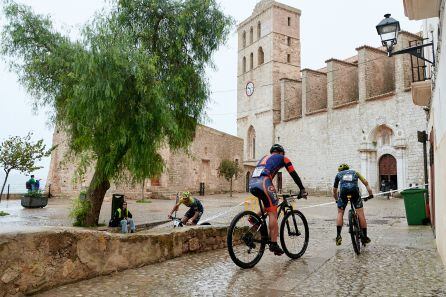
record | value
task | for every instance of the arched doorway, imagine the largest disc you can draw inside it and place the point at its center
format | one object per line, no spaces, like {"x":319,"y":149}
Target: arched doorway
{"x":388,"y":178}
{"x":248,"y":175}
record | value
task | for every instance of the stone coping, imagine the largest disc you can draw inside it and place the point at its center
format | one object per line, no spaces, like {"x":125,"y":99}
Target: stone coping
{"x":32,"y":262}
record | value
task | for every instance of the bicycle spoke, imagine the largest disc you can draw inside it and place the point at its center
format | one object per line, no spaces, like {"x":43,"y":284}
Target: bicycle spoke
{"x":294,"y":234}
{"x":245,"y":243}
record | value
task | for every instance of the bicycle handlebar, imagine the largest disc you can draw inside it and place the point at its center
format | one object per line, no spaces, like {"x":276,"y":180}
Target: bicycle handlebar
{"x":286,"y":196}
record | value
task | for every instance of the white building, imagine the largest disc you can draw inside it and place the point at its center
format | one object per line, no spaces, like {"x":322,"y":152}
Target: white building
{"x":357,"y":110}
{"x":428,"y":94}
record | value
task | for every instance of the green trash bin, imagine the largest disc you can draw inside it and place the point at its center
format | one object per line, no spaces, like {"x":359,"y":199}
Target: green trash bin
{"x":415,"y":206}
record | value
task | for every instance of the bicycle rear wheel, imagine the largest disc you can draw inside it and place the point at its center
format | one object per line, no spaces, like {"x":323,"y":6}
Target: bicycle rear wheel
{"x":246,"y":240}
{"x":354,"y":231}
{"x":294,"y":234}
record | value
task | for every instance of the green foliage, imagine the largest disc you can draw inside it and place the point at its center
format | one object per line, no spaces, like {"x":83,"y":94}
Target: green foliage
{"x":21,"y":154}
{"x":34,"y":194}
{"x":229,"y":169}
{"x":2,"y":213}
{"x":79,"y":211}
{"x":134,"y":82}
{"x":143,"y":201}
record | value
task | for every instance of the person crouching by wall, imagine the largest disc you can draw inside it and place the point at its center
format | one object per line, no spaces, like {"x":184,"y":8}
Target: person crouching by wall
{"x":123,"y":217}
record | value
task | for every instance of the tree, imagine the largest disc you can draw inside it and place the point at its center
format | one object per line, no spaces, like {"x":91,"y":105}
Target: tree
{"x":229,"y":170}
{"x":134,"y":82}
{"x":19,"y":153}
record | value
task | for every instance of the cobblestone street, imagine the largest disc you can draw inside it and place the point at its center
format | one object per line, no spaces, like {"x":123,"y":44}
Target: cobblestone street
{"x":400,"y":261}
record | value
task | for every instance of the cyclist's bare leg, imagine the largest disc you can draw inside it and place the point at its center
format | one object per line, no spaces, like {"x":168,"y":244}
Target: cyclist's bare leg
{"x":184,"y":220}
{"x":361,"y":216}
{"x":340,"y":219}
{"x":273,"y":226}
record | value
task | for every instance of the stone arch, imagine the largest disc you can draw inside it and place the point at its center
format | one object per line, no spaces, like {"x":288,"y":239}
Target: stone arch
{"x":248,"y":175}
{"x":382,"y":136}
{"x":260,"y":56}
{"x":251,"y":143}
{"x":259,"y":30}
{"x":375,"y":132}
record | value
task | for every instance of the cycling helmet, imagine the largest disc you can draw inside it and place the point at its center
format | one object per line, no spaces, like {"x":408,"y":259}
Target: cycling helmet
{"x":343,"y":167}
{"x":185,"y":194}
{"x":277,"y":148}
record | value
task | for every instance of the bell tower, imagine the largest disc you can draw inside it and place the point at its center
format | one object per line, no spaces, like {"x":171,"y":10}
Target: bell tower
{"x":268,"y":51}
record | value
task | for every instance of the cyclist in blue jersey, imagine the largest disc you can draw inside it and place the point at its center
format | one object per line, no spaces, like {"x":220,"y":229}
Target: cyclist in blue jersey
{"x":261,"y":186}
{"x":347,"y":181}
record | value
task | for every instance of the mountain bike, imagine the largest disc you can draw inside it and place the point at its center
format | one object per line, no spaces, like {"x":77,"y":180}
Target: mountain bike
{"x":353,"y":226}
{"x":248,"y":233}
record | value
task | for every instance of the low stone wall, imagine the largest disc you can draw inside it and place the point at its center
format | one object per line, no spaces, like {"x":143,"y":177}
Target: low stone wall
{"x":33,"y":262}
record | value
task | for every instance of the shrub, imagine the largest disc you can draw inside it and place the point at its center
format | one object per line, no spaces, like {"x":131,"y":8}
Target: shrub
{"x":79,"y":210}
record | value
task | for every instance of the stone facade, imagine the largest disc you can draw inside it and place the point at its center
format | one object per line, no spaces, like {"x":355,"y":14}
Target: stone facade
{"x":354,"y":110}
{"x":184,"y":170}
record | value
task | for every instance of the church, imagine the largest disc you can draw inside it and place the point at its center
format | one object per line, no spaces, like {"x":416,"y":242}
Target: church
{"x":356,"y":110}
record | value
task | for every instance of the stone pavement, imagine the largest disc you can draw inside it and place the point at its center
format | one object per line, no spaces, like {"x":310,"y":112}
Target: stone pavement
{"x":57,"y":211}
{"x":400,"y":261}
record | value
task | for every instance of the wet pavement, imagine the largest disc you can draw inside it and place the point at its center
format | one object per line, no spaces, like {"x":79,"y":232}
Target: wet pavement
{"x":400,"y":261}
{"x":56,"y":213}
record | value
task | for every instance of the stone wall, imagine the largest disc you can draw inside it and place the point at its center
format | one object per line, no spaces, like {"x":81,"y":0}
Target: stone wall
{"x":315,"y":90}
{"x":34,"y":262}
{"x":183,"y":172}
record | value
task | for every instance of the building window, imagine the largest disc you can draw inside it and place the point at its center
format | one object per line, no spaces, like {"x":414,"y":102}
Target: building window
{"x":259,"y":30}
{"x":251,"y":35}
{"x":251,"y":143}
{"x":288,"y":41}
{"x":260,"y":56}
{"x":288,"y":58}
{"x":244,"y":38}
{"x":289,"y":21}
{"x":251,"y":61}
{"x":244,"y":64}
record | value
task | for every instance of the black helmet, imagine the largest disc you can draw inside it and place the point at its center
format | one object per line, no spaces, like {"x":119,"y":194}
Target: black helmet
{"x":277,"y":148}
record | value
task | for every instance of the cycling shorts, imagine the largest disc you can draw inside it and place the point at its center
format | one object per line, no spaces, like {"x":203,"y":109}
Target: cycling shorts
{"x":355,"y":199}
{"x":191,"y":212}
{"x":262,"y":187}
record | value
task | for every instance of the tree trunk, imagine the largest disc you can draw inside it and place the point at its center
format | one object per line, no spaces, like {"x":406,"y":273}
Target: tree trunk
{"x":3,"y":187}
{"x":95,"y":194}
{"x":230,"y":187}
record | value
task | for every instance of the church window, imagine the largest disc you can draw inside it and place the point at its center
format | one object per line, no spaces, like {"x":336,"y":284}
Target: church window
{"x":244,"y":64}
{"x":244,"y":39}
{"x":289,"y":21}
{"x":259,"y":30}
{"x":251,"y":61}
{"x":251,"y":143}
{"x":251,"y":37}
{"x":288,"y":58}
{"x":288,"y":41}
{"x":260,"y":56}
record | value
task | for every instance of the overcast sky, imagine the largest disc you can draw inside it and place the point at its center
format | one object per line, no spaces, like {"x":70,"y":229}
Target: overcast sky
{"x":329,"y":29}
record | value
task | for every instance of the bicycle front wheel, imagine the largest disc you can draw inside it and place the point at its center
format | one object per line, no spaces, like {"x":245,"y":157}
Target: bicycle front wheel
{"x":246,"y":239}
{"x":294,"y":234}
{"x":354,"y":231}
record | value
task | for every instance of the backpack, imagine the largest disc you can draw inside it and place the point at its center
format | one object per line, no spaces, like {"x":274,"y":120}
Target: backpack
{"x":28,"y":185}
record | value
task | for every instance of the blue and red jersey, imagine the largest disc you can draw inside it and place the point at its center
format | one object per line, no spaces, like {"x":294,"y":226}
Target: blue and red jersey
{"x":269,"y":165}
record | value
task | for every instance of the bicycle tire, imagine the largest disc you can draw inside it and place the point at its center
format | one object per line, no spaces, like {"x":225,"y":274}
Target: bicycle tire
{"x":354,"y":232}
{"x":232,"y":241}
{"x":284,"y":232}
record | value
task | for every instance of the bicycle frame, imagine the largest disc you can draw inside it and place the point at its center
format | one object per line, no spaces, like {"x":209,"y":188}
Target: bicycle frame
{"x":284,"y":206}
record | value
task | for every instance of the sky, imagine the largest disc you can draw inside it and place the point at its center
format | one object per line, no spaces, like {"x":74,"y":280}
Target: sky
{"x":329,"y":29}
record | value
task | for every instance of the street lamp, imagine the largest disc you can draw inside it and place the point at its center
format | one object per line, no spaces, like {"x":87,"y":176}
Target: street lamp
{"x":388,"y":30}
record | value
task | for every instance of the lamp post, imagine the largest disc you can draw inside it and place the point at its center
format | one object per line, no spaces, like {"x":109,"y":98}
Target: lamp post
{"x":388,"y":30}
